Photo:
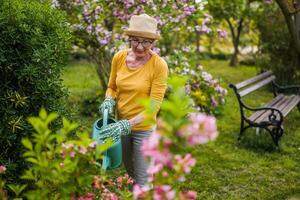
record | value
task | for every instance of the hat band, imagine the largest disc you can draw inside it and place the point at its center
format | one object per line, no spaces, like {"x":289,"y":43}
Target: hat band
{"x":142,"y":34}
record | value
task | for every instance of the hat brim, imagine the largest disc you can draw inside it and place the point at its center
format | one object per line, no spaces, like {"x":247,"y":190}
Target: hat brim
{"x":142,"y":34}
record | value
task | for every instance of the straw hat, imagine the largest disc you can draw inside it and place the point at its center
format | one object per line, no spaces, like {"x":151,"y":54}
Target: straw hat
{"x":142,"y":26}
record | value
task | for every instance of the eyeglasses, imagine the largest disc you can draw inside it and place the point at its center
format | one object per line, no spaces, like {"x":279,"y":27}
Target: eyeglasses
{"x":145,"y":43}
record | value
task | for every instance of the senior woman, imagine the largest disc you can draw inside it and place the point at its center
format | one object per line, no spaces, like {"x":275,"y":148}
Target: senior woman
{"x":136,"y":73}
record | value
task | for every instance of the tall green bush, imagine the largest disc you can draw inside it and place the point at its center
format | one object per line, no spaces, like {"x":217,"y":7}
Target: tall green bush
{"x":276,"y":50}
{"x":33,"y":49}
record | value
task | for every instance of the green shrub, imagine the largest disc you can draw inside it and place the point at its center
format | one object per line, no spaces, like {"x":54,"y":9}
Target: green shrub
{"x":276,"y":52}
{"x":89,"y":105}
{"x":63,"y":165}
{"x":33,"y":49}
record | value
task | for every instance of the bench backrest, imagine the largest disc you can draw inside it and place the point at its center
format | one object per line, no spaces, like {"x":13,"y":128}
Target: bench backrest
{"x":254,"y":83}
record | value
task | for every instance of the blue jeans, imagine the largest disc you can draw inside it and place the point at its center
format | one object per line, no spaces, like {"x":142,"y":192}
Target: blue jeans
{"x":133,"y":159}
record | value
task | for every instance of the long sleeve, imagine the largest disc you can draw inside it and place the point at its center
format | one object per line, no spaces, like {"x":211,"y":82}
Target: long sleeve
{"x":112,"y":87}
{"x":159,"y":83}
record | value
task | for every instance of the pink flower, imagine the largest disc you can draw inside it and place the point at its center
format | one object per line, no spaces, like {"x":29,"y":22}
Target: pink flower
{"x":82,"y":150}
{"x":103,"y":42}
{"x":213,"y":101}
{"x":129,"y":179}
{"x":2,"y":169}
{"x":93,"y":144}
{"x":156,"y":50}
{"x":67,"y":146}
{"x":163,"y":156}
{"x":97,"y":183}
{"x":268,"y":1}
{"x":163,"y":192}
{"x":89,"y":29}
{"x":186,"y":162}
{"x":149,"y":146}
{"x":140,"y":192}
{"x":153,"y":169}
{"x":207,"y":15}
{"x":151,"y":149}
{"x":222,"y":33}
{"x":165,"y":174}
{"x":89,"y":196}
{"x":201,"y":130}
{"x":78,"y":2}
{"x":109,"y":196}
{"x":72,"y":154}
{"x":120,"y":179}
{"x":189,"y":195}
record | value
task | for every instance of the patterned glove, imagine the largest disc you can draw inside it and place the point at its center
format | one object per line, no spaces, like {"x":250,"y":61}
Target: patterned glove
{"x":115,"y":130}
{"x":108,"y":103}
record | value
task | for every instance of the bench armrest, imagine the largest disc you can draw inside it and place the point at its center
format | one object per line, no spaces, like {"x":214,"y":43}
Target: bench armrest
{"x":275,"y":115}
{"x":295,"y":88}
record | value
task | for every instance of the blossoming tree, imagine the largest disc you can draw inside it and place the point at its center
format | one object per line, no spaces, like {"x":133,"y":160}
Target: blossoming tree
{"x":98,"y":25}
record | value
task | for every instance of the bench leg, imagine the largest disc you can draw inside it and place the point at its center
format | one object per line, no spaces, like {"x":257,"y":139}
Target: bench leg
{"x":276,"y":134}
{"x":241,"y":129}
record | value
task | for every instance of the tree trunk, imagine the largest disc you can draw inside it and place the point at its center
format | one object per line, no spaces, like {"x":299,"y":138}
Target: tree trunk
{"x":297,"y":19}
{"x":235,"y":40}
{"x":283,"y":5}
{"x":234,"y":60}
{"x":197,"y":43}
{"x":102,"y":60}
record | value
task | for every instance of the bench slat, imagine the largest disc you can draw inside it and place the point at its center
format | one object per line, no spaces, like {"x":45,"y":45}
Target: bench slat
{"x":266,"y":113}
{"x":254,"y":79}
{"x":270,"y":104}
{"x":285,"y":105}
{"x":255,"y":87}
{"x":295,"y":100}
{"x":279,"y":105}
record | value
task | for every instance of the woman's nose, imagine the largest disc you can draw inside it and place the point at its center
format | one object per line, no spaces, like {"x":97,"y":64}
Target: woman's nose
{"x":140,"y":46}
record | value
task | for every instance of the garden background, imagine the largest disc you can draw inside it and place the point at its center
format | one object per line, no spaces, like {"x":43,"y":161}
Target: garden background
{"x":56,"y":55}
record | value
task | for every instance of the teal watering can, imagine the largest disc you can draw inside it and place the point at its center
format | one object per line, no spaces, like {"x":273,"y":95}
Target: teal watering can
{"x":113,"y":156}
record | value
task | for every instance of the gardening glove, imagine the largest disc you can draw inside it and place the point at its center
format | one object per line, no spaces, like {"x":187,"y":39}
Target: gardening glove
{"x":108,"y":103}
{"x":115,"y":130}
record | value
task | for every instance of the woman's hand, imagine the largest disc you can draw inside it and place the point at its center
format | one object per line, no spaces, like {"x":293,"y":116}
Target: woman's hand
{"x":115,"y":130}
{"x":136,"y":120}
{"x":109,"y":104}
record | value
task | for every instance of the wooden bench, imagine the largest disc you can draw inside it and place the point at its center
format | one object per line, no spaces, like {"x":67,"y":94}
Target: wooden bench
{"x":269,"y":117}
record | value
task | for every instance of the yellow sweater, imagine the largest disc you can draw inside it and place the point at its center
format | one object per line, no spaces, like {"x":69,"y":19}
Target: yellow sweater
{"x":128,"y":86}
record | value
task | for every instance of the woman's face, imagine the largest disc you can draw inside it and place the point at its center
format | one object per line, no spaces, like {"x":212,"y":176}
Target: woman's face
{"x":140,"y":46}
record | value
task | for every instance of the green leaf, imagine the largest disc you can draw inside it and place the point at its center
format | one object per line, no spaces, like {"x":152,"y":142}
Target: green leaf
{"x":27,"y":143}
{"x":66,"y":122}
{"x":17,"y":189}
{"x":51,"y":117}
{"x":28,"y":175}
{"x":29,"y":154}
{"x":43,"y":114}
{"x":32,"y":160}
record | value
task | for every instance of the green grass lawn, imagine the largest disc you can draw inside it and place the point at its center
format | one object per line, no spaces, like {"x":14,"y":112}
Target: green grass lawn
{"x":226,"y":169}
{"x":84,"y":86}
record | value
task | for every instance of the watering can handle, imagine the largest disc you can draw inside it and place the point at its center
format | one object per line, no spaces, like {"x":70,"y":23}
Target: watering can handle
{"x":105,"y":117}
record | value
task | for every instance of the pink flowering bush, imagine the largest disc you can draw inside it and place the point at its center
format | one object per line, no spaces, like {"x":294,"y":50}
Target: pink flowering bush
{"x":67,"y":167}
{"x":178,"y":127}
